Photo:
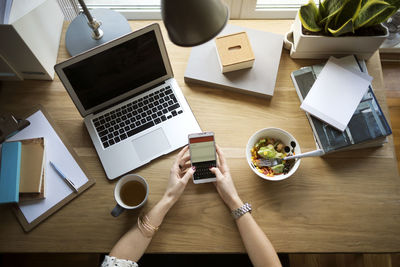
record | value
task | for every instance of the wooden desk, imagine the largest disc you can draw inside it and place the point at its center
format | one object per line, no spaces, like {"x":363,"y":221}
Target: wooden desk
{"x":347,"y":202}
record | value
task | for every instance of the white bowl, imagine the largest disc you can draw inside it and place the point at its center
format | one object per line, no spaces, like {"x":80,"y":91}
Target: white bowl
{"x":275,"y":133}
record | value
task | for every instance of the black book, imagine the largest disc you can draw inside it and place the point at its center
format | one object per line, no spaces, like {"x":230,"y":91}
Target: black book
{"x":367,"y":127}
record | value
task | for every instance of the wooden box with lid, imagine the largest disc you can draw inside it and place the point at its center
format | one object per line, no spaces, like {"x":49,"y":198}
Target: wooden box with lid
{"x":234,"y":52}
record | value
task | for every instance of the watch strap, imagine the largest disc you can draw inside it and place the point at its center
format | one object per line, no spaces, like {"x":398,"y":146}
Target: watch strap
{"x":239,"y":212}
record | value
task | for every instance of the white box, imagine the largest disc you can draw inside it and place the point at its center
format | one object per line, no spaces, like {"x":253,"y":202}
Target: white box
{"x":29,"y":44}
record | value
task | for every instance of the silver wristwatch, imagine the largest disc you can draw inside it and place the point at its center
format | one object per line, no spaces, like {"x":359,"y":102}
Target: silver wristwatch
{"x":237,"y":213}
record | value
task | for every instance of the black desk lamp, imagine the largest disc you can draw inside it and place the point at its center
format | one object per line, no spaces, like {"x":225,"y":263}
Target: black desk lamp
{"x":193,"y":22}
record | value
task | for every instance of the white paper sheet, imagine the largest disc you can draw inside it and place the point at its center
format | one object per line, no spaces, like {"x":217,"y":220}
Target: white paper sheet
{"x":336,"y":94}
{"x":56,"y":188}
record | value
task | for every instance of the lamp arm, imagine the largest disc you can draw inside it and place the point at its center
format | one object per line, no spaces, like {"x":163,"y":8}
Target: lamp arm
{"x":93,"y":23}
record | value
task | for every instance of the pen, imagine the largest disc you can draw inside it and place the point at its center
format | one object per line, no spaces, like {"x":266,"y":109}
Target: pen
{"x":68,"y":181}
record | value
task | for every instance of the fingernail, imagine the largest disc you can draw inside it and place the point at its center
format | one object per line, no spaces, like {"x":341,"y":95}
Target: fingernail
{"x":194,"y":168}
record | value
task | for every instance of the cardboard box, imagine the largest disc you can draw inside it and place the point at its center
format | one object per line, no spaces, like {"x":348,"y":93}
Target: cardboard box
{"x":234,"y":52}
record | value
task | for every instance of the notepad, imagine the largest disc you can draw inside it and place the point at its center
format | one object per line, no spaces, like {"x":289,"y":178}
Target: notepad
{"x":336,"y":94}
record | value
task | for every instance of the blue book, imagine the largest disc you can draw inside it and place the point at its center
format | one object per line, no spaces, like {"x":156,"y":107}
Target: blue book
{"x":10,"y":172}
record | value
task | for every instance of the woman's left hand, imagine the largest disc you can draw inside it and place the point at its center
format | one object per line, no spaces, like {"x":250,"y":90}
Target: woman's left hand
{"x":181,"y":172}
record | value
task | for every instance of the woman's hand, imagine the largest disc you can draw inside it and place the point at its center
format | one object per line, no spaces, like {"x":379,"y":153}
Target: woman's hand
{"x":180,"y":174}
{"x":224,"y":184}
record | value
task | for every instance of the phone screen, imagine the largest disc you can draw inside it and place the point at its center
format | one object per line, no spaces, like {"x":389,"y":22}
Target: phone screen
{"x":203,"y":157}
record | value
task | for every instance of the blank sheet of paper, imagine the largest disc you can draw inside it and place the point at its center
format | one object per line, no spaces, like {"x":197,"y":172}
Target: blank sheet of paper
{"x":56,"y":151}
{"x":336,"y":94}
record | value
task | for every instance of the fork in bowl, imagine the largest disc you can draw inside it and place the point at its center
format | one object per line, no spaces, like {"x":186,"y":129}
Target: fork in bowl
{"x":270,"y":162}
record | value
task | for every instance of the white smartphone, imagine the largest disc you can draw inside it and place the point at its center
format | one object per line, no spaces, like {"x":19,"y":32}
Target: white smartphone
{"x":203,"y":156}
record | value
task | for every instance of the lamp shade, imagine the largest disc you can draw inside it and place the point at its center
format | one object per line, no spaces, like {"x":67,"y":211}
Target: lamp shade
{"x":193,"y":22}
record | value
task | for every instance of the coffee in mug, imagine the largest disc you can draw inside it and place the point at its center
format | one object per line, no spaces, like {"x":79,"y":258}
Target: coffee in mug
{"x":130,"y":192}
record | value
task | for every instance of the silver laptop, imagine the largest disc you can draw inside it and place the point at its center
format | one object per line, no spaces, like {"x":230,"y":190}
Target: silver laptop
{"x":132,"y":106}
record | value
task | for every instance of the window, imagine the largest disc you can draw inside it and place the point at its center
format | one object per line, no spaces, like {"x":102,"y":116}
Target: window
{"x":276,"y":9}
{"x":131,"y":9}
{"x":239,"y":9}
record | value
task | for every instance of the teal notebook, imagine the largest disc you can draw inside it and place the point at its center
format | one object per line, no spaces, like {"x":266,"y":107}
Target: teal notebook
{"x":10,"y":172}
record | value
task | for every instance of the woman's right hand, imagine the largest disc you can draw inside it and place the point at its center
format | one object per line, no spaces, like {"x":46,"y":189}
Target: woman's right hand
{"x":180,"y":174}
{"x":225,"y":186}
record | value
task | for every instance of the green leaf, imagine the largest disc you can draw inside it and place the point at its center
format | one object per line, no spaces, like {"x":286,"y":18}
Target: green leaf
{"x":382,"y":16}
{"x":330,"y":21}
{"x":345,"y":28}
{"x":349,"y":10}
{"x":344,"y":18}
{"x":363,"y":2}
{"x":322,"y":10}
{"x":395,"y":3}
{"x":371,"y":12}
{"x":308,"y":15}
{"x":332,"y":6}
{"x":331,"y":9}
{"x":323,"y":21}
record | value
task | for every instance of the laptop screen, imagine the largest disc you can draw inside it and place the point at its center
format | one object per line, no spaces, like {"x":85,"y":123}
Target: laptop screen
{"x":117,"y":70}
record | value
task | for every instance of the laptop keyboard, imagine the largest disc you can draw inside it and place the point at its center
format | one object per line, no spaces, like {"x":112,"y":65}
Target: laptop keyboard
{"x":137,"y":116}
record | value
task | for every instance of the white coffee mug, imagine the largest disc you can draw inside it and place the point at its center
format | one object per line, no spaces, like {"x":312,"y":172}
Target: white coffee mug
{"x":121,"y":206}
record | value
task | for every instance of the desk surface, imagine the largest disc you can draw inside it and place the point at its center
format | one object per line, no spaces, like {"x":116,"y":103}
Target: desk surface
{"x":344,"y":202}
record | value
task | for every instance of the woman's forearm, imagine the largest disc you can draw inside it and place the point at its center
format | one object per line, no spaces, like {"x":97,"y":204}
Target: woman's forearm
{"x":259,"y":248}
{"x":134,"y":243}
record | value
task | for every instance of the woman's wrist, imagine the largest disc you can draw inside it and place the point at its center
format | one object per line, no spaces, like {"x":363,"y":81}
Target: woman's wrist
{"x":234,"y":203}
{"x":157,"y":213}
{"x":168,"y":201}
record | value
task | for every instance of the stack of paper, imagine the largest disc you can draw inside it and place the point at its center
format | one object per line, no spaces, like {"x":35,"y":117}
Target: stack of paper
{"x":336,"y":94}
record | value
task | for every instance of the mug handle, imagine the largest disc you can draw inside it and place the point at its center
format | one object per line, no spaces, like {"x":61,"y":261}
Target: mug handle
{"x":117,"y":210}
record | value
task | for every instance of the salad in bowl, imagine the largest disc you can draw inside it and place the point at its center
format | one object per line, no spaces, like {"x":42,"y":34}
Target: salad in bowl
{"x":266,"y":150}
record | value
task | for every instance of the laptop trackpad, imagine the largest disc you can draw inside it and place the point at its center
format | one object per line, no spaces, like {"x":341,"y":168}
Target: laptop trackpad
{"x":150,"y":145}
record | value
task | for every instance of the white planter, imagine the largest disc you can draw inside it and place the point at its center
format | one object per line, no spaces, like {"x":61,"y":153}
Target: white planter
{"x":314,"y":46}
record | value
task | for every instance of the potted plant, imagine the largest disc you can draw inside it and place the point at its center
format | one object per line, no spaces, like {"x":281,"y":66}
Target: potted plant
{"x":339,"y":27}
